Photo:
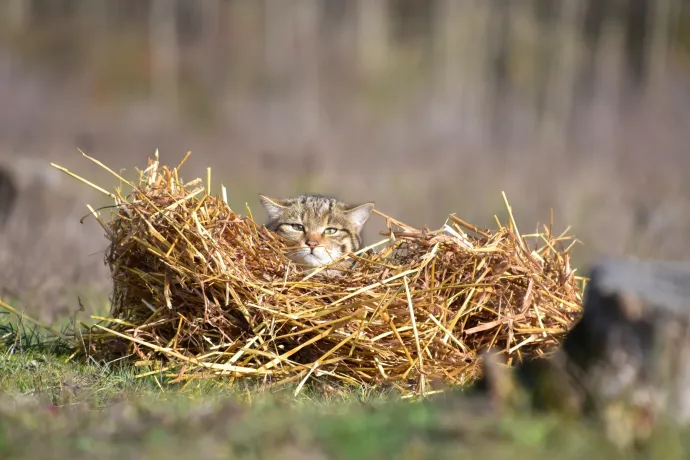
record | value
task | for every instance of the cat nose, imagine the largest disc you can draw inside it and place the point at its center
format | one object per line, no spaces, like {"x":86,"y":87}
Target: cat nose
{"x":312,"y":244}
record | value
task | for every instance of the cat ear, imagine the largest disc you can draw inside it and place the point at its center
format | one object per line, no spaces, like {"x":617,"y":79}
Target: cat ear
{"x":274,"y":208}
{"x":359,"y":214}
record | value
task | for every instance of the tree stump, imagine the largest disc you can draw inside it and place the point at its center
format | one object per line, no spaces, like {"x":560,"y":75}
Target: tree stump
{"x":627,"y":361}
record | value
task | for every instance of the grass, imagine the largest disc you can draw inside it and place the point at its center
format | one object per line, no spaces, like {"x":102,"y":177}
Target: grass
{"x":53,"y":407}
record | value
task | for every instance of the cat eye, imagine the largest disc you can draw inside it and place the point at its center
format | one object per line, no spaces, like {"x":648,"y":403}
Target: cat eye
{"x":298,"y":227}
{"x":330,"y":231}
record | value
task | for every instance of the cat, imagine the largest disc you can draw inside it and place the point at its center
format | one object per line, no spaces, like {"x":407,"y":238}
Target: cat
{"x":322,"y":228}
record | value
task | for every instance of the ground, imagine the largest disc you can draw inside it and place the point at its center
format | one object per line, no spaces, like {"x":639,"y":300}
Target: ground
{"x":55,"y":407}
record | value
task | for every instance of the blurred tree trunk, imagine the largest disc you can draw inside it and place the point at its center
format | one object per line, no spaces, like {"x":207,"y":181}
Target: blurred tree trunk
{"x":561,"y":88}
{"x":546,"y":12}
{"x":94,"y":13}
{"x":636,"y":35}
{"x":660,"y":31}
{"x":93,"y":16}
{"x":373,"y":30}
{"x":279,"y":60}
{"x":240,"y":45}
{"x":499,"y":49}
{"x":278,"y":39}
{"x":307,"y":15}
{"x":457,"y":63}
{"x":211,"y":14}
{"x":292,"y":64}
{"x":165,"y":54}
{"x":595,"y":14}
{"x":16,"y":14}
{"x":450,"y":34}
{"x":608,"y":96}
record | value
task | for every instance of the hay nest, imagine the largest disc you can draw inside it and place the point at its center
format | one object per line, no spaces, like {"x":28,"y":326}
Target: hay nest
{"x":207,"y":292}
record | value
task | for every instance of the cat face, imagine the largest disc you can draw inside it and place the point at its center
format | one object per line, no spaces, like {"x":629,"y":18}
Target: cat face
{"x":322,"y":228}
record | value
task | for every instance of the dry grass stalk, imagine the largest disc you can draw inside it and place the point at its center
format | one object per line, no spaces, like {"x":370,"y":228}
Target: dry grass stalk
{"x":208,"y":292}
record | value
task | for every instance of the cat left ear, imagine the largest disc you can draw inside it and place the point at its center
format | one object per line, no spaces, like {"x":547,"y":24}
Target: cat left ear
{"x":274,"y":208}
{"x":359,"y":214}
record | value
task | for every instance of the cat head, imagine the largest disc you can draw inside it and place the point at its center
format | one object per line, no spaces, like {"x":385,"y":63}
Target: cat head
{"x":322,"y":228}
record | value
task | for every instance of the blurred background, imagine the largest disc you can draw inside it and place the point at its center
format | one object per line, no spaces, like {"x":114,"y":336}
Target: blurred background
{"x":425,"y":107}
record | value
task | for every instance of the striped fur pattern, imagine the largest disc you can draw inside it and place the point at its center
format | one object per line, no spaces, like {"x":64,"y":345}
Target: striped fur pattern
{"x":8,"y":196}
{"x":321,"y":227}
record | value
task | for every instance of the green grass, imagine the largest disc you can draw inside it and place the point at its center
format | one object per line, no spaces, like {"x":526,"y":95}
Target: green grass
{"x":53,"y":407}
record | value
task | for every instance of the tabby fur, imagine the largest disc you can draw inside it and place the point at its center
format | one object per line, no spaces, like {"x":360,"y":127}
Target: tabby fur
{"x":321,"y":228}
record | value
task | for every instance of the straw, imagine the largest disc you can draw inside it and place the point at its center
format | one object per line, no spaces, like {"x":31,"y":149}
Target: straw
{"x":209,"y":293}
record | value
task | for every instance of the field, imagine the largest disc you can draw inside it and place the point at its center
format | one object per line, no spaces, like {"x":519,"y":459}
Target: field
{"x":54,"y":408}
{"x":574,"y":110}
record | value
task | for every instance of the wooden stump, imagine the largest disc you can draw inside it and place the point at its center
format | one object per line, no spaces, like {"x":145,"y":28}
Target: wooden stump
{"x":627,"y":361}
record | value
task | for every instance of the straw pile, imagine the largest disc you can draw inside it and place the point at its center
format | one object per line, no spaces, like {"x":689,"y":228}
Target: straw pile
{"x":207,"y":292}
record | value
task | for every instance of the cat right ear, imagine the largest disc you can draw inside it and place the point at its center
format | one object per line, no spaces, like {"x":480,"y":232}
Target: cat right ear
{"x":359,"y":214}
{"x":274,"y":208}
